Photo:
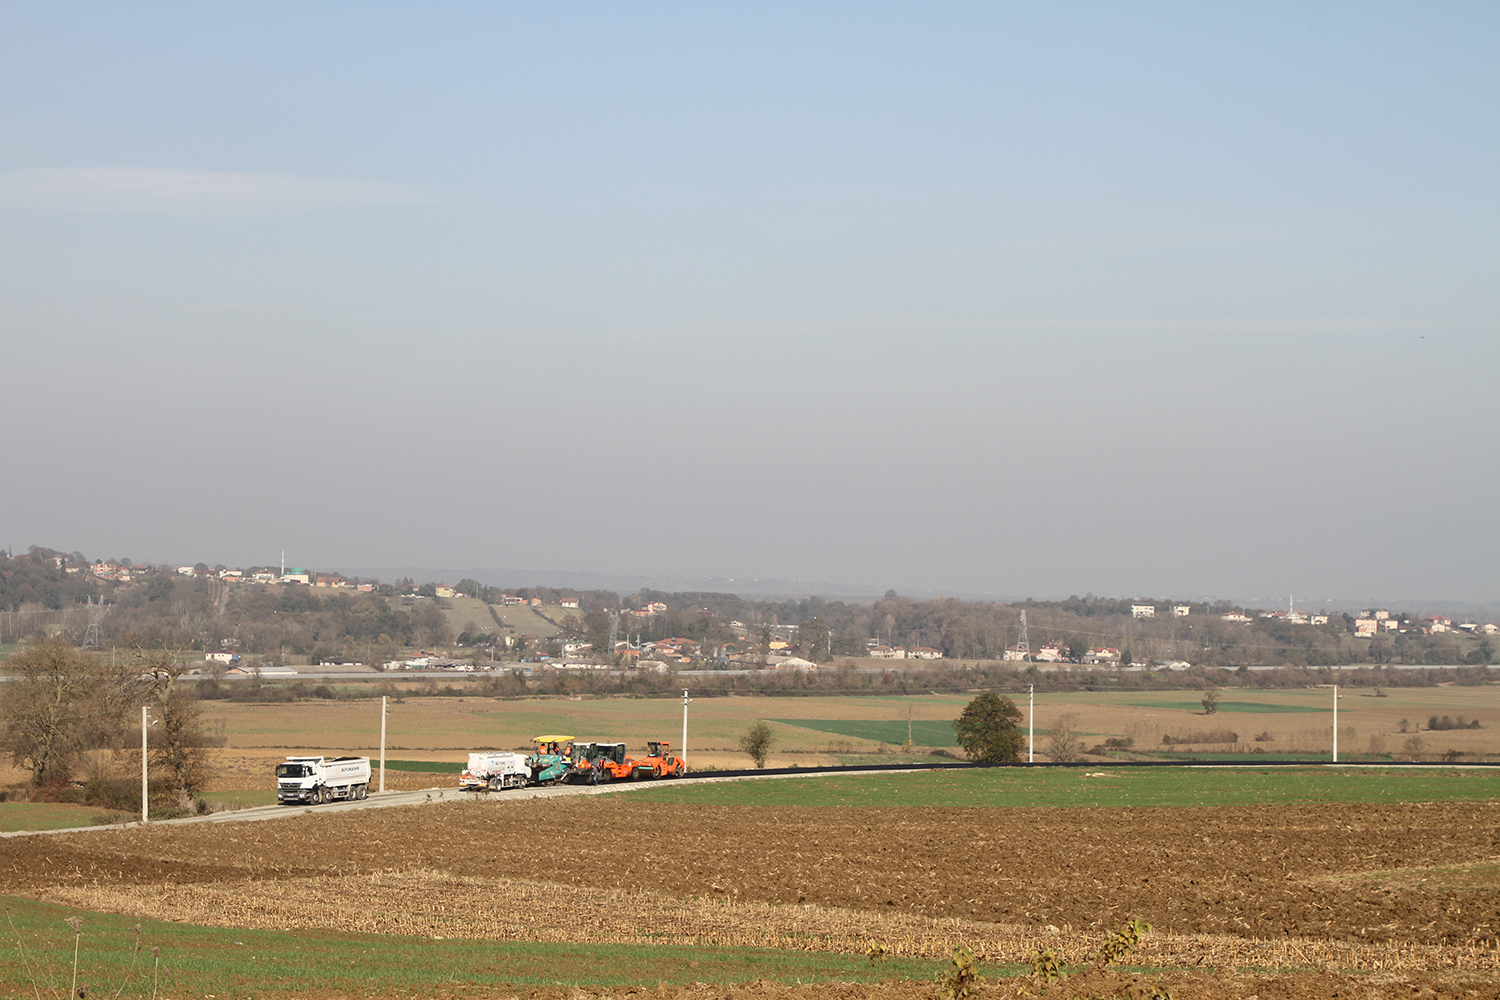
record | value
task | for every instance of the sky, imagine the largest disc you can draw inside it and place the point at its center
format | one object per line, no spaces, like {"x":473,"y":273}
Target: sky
{"x":989,"y":298}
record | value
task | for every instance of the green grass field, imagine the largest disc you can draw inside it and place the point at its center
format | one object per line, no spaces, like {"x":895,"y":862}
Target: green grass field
{"x":222,"y":962}
{"x":431,"y":766}
{"x":45,"y":816}
{"x":1142,"y":787}
{"x":924,"y":732}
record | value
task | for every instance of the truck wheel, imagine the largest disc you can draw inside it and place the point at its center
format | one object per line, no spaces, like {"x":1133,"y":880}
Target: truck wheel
{"x":494,"y":784}
{"x":320,"y":795}
{"x":361,"y":791}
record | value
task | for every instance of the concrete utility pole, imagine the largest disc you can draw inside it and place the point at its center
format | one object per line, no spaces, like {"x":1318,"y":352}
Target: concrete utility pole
{"x":145,"y":816}
{"x":1031,"y":724}
{"x":1335,"y":723}
{"x":682,"y":751}
{"x":382,"y":742}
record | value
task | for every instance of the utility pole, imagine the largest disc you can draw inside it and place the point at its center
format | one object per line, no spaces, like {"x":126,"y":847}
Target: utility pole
{"x":1335,"y":723}
{"x":682,"y":752}
{"x":382,"y":741}
{"x":145,"y":802}
{"x":1030,"y":722}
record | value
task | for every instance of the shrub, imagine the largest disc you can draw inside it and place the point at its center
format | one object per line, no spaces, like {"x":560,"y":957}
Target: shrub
{"x":1203,"y":736}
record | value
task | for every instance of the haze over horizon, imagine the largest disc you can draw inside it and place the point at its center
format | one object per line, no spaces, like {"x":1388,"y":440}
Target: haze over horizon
{"x":979,"y":299}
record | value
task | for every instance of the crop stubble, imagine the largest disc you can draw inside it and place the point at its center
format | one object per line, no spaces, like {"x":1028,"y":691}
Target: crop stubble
{"x":1288,"y":886}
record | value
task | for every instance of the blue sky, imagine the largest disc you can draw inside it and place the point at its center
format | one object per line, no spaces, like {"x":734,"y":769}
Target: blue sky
{"x":1174,"y":299}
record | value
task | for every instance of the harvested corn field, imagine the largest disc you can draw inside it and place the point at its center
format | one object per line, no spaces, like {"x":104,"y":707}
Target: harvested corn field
{"x":1394,"y":890}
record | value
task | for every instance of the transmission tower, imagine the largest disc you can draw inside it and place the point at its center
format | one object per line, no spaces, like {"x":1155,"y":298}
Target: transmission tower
{"x":614,"y":629}
{"x":1022,"y":645}
{"x":93,"y":638}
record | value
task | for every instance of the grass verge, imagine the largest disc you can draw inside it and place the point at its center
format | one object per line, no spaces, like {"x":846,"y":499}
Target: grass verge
{"x":1105,"y":786}
{"x":233,"y":962}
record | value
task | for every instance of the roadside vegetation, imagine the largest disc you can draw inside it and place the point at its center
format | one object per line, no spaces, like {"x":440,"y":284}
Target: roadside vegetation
{"x":1095,"y":788}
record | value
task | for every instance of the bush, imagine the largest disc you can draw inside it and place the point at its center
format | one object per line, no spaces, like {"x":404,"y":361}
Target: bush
{"x":1203,"y":736}
{"x":1446,"y":722}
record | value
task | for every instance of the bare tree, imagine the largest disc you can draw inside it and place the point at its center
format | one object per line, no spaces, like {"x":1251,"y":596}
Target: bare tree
{"x":179,"y":748}
{"x":1063,"y":744}
{"x":1211,"y":701}
{"x":60,"y":702}
{"x":44,"y":717}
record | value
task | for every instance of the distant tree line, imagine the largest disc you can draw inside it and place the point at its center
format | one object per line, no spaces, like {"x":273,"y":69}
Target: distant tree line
{"x":203,"y":611}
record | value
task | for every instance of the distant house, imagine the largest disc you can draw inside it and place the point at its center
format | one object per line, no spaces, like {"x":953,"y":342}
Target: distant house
{"x":221,"y":656}
{"x":1103,"y":654}
{"x":888,"y":653}
{"x":1235,"y":616}
{"x":1014,"y":653}
{"x":1143,"y":611}
{"x":1053,"y":652}
{"x":790,"y":663}
{"x":185,"y":571}
{"x":926,"y":653}
{"x":443,"y":590}
{"x":1181,"y":610}
{"x":569,"y":604}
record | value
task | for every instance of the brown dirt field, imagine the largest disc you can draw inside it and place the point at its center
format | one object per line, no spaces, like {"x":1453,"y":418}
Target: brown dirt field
{"x":1330,"y":888}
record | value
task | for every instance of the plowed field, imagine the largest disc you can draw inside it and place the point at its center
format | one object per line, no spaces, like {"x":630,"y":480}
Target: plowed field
{"x":1385,"y":890}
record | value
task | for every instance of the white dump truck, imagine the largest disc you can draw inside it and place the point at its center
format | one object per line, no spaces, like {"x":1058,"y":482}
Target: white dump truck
{"x":322,"y":779}
{"x":495,"y":770}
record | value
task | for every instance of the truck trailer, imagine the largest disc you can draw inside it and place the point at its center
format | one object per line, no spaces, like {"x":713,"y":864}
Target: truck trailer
{"x":322,"y":779}
{"x":495,"y":770}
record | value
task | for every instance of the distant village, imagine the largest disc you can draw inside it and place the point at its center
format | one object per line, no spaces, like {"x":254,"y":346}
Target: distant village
{"x":774,"y":647}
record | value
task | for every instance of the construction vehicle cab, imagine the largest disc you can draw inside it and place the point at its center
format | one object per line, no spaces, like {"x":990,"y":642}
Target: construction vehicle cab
{"x":597,"y":763}
{"x":659,"y":761}
{"x":552,"y":759}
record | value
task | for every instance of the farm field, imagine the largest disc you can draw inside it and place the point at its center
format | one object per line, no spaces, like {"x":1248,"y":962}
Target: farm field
{"x":1380,"y":896}
{"x":1304,"y":881}
{"x":816,"y":730}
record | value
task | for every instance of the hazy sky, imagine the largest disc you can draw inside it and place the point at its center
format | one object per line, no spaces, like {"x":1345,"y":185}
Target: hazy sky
{"x":1041,"y":298}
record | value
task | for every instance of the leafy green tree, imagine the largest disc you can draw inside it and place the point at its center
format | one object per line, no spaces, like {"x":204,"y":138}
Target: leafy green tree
{"x":757,"y":742}
{"x":989,"y":729}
